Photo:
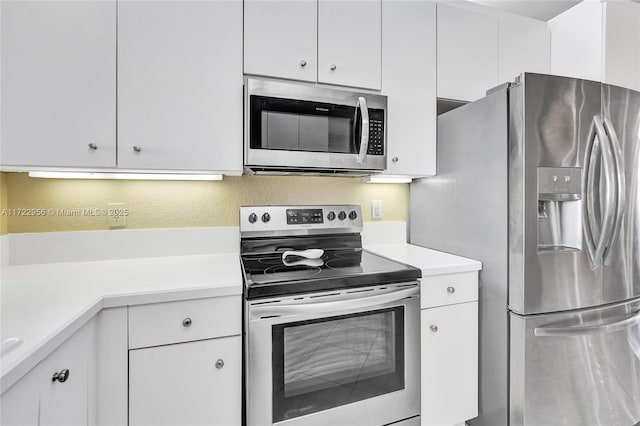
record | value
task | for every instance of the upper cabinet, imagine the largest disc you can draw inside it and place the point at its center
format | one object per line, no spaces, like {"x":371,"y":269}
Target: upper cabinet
{"x":409,"y":82}
{"x":598,"y":41}
{"x":480,"y":48}
{"x":58,"y":84}
{"x":280,"y":39}
{"x":467,"y":53}
{"x":328,"y":41}
{"x":349,"y":37}
{"x":180,"y":85}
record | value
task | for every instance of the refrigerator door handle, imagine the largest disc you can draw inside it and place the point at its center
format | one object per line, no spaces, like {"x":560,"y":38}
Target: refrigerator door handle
{"x":582,"y":330}
{"x":620,"y":187}
{"x":596,"y":250}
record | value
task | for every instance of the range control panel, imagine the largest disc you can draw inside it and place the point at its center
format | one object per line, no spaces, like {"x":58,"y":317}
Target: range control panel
{"x":289,"y":220}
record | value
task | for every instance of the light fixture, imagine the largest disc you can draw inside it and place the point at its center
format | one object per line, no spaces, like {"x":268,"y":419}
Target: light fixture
{"x":124,"y":176}
{"x":386,"y":179}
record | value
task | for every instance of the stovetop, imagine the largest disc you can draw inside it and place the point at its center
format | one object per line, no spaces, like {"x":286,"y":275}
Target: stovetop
{"x":270,"y":275}
{"x":267,"y":232}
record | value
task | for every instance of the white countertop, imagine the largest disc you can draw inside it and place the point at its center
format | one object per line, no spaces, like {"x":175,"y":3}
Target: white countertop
{"x":44,"y":304}
{"x":431,"y":262}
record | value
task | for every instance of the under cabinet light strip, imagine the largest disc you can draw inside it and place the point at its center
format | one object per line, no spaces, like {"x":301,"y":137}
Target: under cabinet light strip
{"x":124,"y":176}
{"x":386,"y":179}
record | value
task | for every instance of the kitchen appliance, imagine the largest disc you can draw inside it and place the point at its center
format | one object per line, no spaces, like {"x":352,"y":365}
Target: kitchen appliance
{"x":302,"y":128}
{"x":332,"y":331}
{"x":540,"y":181}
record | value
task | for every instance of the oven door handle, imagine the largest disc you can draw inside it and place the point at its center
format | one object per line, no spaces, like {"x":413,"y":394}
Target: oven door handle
{"x":258,"y":312}
{"x":364,"y":138}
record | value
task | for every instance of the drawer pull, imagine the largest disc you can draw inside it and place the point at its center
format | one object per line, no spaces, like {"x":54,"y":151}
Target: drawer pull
{"x":186,"y":322}
{"x":451,"y":290}
{"x":434,"y":328}
{"x":62,"y":376}
{"x":219,"y":364}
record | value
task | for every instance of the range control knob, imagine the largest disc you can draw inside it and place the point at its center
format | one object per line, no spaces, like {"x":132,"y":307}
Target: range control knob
{"x":253,"y":218}
{"x":353,"y":215}
{"x":266,"y":217}
{"x":342,"y":215}
{"x":331,"y":216}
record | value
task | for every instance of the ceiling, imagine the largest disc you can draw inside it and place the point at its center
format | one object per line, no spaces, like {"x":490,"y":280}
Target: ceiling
{"x":537,"y":9}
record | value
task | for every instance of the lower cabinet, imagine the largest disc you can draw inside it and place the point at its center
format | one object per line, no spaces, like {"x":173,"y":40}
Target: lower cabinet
{"x":449,"y":353}
{"x":59,"y":390}
{"x":194,"y":383}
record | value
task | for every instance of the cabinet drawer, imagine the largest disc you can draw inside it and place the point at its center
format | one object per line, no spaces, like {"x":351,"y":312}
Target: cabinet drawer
{"x":440,"y":290}
{"x":175,"y":322}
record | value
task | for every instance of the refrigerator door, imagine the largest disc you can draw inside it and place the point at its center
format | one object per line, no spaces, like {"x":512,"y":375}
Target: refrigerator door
{"x":621,"y":112}
{"x":551,"y":128}
{"x":576,"y":368}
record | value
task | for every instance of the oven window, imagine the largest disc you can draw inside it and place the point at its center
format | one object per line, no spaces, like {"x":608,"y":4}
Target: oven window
{"x":329,"y":362}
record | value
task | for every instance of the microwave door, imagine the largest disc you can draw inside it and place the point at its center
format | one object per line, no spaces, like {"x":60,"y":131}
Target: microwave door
{"x":361,"y":105}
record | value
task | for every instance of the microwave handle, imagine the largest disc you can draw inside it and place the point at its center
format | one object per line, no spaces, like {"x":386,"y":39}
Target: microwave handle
{"x":364,"y":138}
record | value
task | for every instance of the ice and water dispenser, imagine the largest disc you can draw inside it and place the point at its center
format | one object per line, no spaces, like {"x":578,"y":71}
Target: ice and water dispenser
{"x":559,"y":209}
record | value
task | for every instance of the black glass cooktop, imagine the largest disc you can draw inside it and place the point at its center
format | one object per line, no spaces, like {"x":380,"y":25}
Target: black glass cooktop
{"x":271,"y":275}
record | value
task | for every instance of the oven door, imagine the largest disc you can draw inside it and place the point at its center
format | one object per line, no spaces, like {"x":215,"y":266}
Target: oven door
{"x":301,"y":127}
{"x":338,"y":358}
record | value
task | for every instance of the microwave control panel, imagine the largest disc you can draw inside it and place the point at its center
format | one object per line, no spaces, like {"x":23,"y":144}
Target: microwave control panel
{"x":376,"y":137}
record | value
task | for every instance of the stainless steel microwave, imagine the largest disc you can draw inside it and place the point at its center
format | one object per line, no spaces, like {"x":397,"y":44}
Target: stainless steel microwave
{"x":301,"y":128}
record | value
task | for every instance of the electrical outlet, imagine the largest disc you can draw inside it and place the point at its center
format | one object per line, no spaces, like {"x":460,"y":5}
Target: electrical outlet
{"x":376,"y":209}
{"x":117,"y":215}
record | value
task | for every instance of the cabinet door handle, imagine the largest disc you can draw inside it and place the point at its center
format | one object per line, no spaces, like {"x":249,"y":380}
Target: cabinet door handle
{"x":186,"y":322}
{"x":219,"y":364}
{"x":303,"y":63}
{"x":92,"y":146}
{"x":394,"y":160}
{"x":433,"y":328}
{"x":61,"y":376}
{"x":451,"y":290}
{"x":137,"y":148}
{"x":333,"y":67}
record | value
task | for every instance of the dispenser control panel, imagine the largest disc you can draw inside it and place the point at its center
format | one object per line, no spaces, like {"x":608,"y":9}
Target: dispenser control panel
{"x":559,"y":183}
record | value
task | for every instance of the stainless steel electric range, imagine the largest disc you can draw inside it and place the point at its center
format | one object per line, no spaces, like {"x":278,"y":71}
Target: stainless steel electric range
{"x":331,"y":331}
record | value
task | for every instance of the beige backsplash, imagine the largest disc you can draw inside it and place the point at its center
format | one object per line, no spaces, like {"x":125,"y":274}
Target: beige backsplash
{"x":174,"y":204}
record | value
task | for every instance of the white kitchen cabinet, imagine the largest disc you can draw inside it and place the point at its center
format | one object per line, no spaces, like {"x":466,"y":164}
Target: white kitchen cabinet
{"x":598,"y":41}
{"x":349,"y":42}
{"x":449,"y":368}
{"x":58,"y":83}
{"x":409,"y":82}
{"x":328,"y":41}
{"x":467,"y":53}
{"x":36,"y":399}
{"x":280,"y":39}
{"x":524,"y":46}
{"x":194,"y":383}
{"x":180,"y":85}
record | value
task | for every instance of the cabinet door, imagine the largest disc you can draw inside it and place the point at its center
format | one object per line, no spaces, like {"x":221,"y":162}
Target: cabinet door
{"x":180,"y":85}
{"x":467,"y":53}
{"x":524,"y":46}
{"x":58,"y":83}
{"x":280,"y":38}
{"x":449,"y":365}
{"x":409,"y":81}
{"x":185,"y":384}
{"x":349,"y":42}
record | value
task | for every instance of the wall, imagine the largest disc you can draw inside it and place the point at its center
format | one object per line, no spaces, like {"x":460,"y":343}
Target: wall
{"x":172,"y":204}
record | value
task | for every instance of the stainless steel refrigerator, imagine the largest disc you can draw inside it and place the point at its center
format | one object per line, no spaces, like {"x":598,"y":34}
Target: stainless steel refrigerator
{"x":540,"y":181}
